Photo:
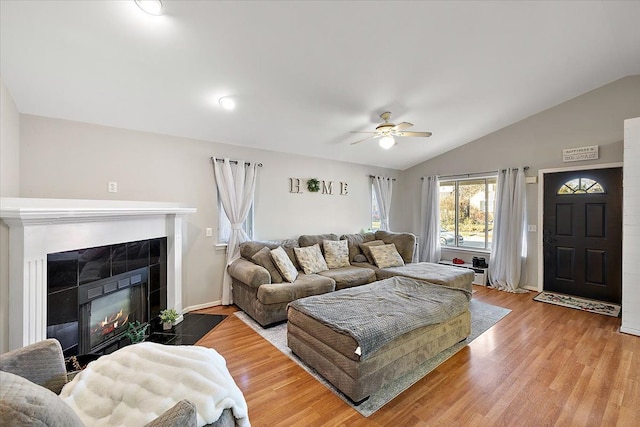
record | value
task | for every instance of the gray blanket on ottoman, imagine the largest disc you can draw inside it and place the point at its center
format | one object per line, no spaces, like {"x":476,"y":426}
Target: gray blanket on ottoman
{"x":439,"y":274}
{"x":379,"y":312}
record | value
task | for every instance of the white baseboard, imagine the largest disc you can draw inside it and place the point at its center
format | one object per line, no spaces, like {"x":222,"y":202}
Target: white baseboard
{"x":201,"y":306}
{"x":631,"y":331}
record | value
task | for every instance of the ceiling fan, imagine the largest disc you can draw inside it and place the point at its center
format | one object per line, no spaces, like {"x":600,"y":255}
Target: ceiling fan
{"x":387,"y":130}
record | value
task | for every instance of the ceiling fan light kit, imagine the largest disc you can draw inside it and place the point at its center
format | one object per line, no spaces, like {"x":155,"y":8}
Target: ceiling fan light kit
{"x":152,"y":7}
{"x":227,"y":103}
{"x":387,"y":131}
{"x":387,"y":142}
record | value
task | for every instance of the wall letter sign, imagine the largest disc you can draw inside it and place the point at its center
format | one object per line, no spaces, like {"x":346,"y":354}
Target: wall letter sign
{"x":580,"y":153}
{"x":295,"y":187}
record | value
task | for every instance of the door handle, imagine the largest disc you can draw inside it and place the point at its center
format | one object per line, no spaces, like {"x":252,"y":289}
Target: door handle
{"x":547,"y":237}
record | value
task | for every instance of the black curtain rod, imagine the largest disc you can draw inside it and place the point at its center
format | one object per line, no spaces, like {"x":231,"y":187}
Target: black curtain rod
{"x":374,"y":176}
{"x":469,"y":175}
{"x":235,"y":162}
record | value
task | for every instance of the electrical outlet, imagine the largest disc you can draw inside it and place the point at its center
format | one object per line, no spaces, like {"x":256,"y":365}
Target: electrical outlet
{"x":113,"y":187}
{"x":532,"y":228}
{"x":208,"y":232}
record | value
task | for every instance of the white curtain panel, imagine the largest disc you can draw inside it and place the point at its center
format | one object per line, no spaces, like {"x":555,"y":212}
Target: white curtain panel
{"x":508,"y":254}
{"x":236,"y":184}
{"x":430,"y":220}
{"x":383,"y":187}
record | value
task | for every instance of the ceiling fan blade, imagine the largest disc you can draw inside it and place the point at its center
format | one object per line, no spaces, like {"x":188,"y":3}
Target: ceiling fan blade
{"x":362,"y":131}
{"x":363,"y":140}
{"x":403,"y":125}
{"x":422,"y":134}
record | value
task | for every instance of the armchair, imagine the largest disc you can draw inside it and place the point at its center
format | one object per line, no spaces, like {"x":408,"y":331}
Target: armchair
{"x":32,"y":377}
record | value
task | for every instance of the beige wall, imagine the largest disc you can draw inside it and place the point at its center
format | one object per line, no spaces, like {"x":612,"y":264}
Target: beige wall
{"x":65,"y":159}
{"x":595,"y":118}
{"x":9,"y":187}
{"x":9,"y":144}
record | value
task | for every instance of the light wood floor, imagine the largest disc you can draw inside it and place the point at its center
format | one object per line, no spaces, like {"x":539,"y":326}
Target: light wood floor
{"x":542,"y":365}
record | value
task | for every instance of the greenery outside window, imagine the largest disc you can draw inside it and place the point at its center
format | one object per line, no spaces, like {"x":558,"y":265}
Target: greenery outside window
{"x":581,"y":186}
{"x":375,"y":211}
{"x":466,"y":212}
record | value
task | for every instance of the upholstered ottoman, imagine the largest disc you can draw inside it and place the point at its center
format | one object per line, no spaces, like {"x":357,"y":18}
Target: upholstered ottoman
{"x":361,"y":338}
{"x":438,"y":274}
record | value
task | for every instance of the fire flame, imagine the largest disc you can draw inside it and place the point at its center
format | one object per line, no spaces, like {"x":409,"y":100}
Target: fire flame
{"x":110,"y":323}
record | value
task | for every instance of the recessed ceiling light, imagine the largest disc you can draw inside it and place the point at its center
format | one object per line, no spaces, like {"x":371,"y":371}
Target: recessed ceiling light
{"x":152,"y":7}
{"x":227,"y":103}
{"x":387,"y":142}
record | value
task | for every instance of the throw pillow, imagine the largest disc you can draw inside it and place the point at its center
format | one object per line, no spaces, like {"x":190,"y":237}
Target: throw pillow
{"x":263,"y":258}
{"x":336,"y":253}
{"x":284,"y":264}
{"x":311,"y":259}
{"x":25,"y":403}
{"x":365,"y":248}
{"x":386,"y":256}
{"x":360,"y":258}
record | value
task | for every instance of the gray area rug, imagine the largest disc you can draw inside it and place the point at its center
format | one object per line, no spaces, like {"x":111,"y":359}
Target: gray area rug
{"x":483,"y":316}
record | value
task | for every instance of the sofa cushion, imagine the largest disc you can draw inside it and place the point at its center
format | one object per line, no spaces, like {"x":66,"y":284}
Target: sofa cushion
{"x":249,"y":249}
{"x":336,"y":253}
{"x":312,"y":239}
{"x":183,"y":414}
{"x":350,"y":276}
{"x":304,"y":286}
{"x":23,"y":403}
{"x":354,"y":241}
{"x":365,"y":247}
{"x":284,"y":264}
{"x":386,"y":256}
{"x":264,"y":259}
{"x":405,"y":243}
{"x":311,"y":259}
{"x":42,"y":363}
{"x":360,"y":258}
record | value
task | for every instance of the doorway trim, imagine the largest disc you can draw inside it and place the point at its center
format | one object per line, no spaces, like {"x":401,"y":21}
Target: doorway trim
{"x":541,"y":174}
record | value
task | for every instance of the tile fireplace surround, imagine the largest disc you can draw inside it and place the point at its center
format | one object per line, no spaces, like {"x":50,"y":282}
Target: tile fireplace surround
{"x":38,"y":227}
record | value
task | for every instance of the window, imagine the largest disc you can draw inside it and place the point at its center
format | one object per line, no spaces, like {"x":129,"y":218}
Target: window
{"x":375,"y":211}
{"x":581,"y":186}
{"x":224,"y":225}
{"x":466,"y":212}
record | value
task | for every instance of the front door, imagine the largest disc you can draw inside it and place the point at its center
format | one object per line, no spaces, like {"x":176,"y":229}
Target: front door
{"x":582,"y":233}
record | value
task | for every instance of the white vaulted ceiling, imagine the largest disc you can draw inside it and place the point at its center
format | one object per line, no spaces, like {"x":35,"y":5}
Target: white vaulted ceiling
{"x":304,"y":74}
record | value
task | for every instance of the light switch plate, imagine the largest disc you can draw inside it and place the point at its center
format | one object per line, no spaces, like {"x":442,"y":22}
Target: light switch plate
{"x":532,"y":228}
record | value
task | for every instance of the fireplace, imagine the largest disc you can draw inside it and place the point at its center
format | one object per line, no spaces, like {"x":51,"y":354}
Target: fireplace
{"x":39,"y":227}
{"x":107,"y":306}
{"x":93,"y":293}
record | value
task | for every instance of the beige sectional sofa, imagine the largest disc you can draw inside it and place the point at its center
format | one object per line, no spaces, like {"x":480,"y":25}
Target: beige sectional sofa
{"x":256,"y":294}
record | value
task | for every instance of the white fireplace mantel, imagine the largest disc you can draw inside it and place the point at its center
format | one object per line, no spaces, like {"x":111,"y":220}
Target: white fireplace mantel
{"x":38,"y":227}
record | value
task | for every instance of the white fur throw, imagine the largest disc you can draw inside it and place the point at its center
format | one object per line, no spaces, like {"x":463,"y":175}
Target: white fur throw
{"x":137,"y":383}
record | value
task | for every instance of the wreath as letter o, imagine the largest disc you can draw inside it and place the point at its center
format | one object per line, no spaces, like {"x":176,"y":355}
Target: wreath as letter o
{"x":313,"y":185}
